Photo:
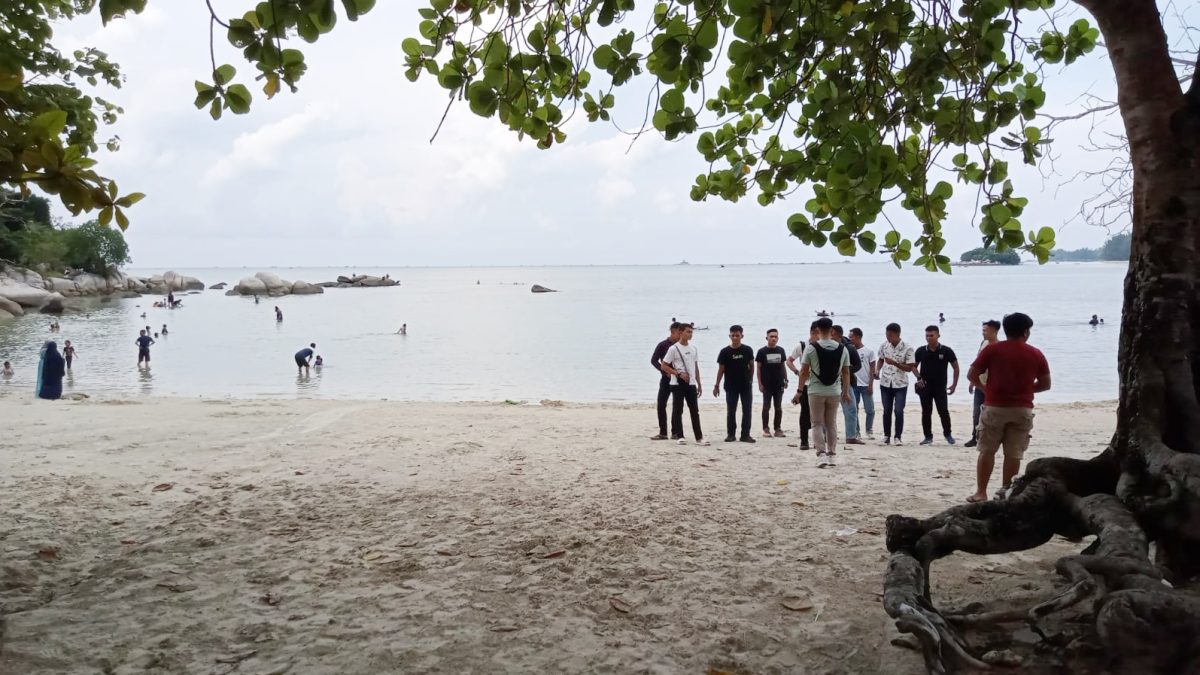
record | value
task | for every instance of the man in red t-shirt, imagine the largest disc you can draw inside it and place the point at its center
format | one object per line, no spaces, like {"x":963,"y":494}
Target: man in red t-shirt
{"x":1016,"y":371}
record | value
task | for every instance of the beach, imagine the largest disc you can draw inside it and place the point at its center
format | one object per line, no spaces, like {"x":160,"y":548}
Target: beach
{"x":307,"y":536}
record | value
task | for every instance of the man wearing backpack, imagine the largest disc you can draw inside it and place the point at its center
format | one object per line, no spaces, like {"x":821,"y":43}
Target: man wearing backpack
{"x":826,"y":368}
{"x":849,"y":408}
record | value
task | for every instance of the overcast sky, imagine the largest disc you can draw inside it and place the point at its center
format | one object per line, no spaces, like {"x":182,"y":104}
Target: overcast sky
{"x":343,"y":172}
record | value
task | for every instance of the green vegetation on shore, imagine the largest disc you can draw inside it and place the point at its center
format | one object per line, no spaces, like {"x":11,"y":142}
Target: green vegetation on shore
{"x":989,"y":255}
{"x":29,"y":238}
{"x":1116,"y":248}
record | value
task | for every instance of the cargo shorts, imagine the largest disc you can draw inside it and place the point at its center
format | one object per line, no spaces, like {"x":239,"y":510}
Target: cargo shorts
{"x":1008,"y":427}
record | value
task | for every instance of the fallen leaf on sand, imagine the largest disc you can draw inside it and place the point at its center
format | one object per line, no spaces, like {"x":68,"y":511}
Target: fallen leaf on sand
{"x":554,"y":554}
{"x":407,"y":544}
{"x":48,"y":553}
{"x":237,"y":658}
{"x":868,"y":531}
{"x":620,"y":605}
{"x":299,"y":473}
{"x":799,"y":503}
{"x":507,"y":628}
{"x":162,"y":487}
{"x":481,"y":523}
{"x":178,"y":588}
{"x":372,"y":555}
{"x":446,"y":552}
{"x":657,"y":577}
{"x":128,"y":541}
{"x":190,"y":491}
{"x":797,"y":603}
{"x":781,"y":482}
{"x":139,"y":503}
{"x":246,"y":487}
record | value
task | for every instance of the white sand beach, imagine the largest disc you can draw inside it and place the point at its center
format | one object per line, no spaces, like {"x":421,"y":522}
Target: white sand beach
{"x":381,"y":537}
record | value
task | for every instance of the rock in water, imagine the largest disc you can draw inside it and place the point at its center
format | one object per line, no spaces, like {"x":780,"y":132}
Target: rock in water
{"x":218,"y":287}
{"x":305,"y":288}
{"x":10,"y":307}
{"x":53,"y":304}
{"x":251,"y":286}
{"x":541,"y":289}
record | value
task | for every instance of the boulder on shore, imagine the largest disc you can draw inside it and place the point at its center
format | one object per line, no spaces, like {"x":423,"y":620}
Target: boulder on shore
{"x":541,"y":289}
{"x":10,"y":307}
{"x":53,"y":304}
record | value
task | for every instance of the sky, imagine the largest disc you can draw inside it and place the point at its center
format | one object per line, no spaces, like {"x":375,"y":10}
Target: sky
{"x":343,"y":173}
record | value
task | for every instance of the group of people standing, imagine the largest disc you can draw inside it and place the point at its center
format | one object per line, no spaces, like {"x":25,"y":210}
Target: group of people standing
{"x":836,"y":372}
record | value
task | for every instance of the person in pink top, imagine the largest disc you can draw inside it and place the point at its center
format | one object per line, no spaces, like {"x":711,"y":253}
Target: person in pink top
{"x":1016,"y":371}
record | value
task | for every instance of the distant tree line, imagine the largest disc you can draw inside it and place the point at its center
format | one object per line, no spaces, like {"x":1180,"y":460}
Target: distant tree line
{"x":30,"y":238}
{"x":988,"y":254}
{"x":1116,"y":248}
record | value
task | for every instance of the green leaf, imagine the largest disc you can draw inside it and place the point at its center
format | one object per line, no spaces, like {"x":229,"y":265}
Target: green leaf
{"x":942,"y":190}
{"x":224,"y":74}
{"x":130,"y":199}
{"x":411,"y":47}
{"x":847,"y":247}
{"x":237,"y":99}
{"x":51,"y":123}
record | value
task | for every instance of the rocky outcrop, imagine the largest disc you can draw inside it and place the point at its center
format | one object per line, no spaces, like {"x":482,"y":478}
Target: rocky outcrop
{"x":361,"y":281}
{"x":29,"y":290}
{"x":305,"y":288}
{"x":53,"y":304}
{"x":10,"y":308}
{"x":218,"y":287}
{"x":270,"y":284}
{"x":541,"y":289}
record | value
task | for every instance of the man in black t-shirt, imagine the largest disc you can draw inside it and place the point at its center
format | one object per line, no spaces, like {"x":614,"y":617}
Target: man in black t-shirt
{"x":143,"y":342}
{"x":933,"y":360}
{"x":772,"y":381}
{"x":664,"y":385}
{"x":737,"y":368}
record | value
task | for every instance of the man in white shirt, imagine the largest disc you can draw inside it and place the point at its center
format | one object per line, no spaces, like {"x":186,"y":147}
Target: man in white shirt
{"x":863,"y":383}
{"x":895,"y":361}
{"x":801,"y":398}
{"x":682,"y":363}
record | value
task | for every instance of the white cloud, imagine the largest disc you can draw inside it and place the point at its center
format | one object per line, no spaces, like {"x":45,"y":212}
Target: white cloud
{"x":263,"y":147}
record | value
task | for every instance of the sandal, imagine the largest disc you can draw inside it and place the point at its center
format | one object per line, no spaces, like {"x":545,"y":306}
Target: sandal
{"x":973,"y":499}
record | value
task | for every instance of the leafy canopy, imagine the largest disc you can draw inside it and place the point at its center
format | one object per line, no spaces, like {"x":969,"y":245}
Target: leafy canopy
{"x":854,"y":104}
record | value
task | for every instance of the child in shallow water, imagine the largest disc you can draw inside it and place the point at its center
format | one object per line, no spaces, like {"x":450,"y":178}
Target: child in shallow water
{"x":8,"y":371}
{"x":319,"y":362}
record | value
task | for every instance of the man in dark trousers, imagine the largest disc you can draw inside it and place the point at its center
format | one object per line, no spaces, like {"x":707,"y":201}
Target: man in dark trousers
{"x":664,"y":385}
{"x":933,"y":359}
{"x":772,"y":381}
{"x":736,"y":366}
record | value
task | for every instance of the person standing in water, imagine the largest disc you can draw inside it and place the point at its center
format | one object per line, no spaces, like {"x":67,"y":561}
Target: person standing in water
{"x":143,"y":342}
{"x":7,"y":373}
{"x":68,"y":353}
{"x":403,"y":329}
{"x":304,"y":358}
{"x":50,"y":373}
{"x":278,"y":313}
{"x":164,"y":330}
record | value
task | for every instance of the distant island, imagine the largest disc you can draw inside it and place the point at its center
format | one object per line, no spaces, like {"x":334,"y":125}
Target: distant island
{"x":1116,"y":248}
{"x":987,"y":255}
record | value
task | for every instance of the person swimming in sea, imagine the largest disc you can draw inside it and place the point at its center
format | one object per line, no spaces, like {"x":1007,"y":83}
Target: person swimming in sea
{"x":1095,"y":321}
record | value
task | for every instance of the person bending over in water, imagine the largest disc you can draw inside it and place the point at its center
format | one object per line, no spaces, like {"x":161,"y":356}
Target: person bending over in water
{"x":304,"y":358}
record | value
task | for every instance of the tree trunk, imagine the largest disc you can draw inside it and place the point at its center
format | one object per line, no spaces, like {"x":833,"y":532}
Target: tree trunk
{"x":1145,"y":488}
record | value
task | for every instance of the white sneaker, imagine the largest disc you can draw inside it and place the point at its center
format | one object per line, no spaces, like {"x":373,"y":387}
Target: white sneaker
{"x":682,"y":441}
{"x":870,"y":437}
{"x":896,"y":441}
{"x":822,"y":459}
{"x":831,"y":458}
{"x":703,"y":442}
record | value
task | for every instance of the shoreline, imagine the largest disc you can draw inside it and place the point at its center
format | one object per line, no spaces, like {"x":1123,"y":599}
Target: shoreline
{"x":370,"y":536}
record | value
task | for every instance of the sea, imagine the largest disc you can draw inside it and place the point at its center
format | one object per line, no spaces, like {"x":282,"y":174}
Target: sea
{"x":479,"y":334}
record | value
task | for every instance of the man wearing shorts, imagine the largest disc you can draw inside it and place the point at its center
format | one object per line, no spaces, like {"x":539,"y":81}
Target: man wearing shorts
{"x":303,"y":357}
{"x":143,"y":342}
{"x":1016,"y":371}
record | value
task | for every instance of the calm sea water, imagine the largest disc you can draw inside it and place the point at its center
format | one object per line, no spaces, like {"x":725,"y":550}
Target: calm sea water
{"x":479,"y":334}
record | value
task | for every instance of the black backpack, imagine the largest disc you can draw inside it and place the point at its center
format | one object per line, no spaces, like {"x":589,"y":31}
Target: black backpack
{"x":831,"y":363}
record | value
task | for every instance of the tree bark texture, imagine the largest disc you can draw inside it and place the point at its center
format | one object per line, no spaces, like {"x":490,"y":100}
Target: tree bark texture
{"x":1145,"y":488}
